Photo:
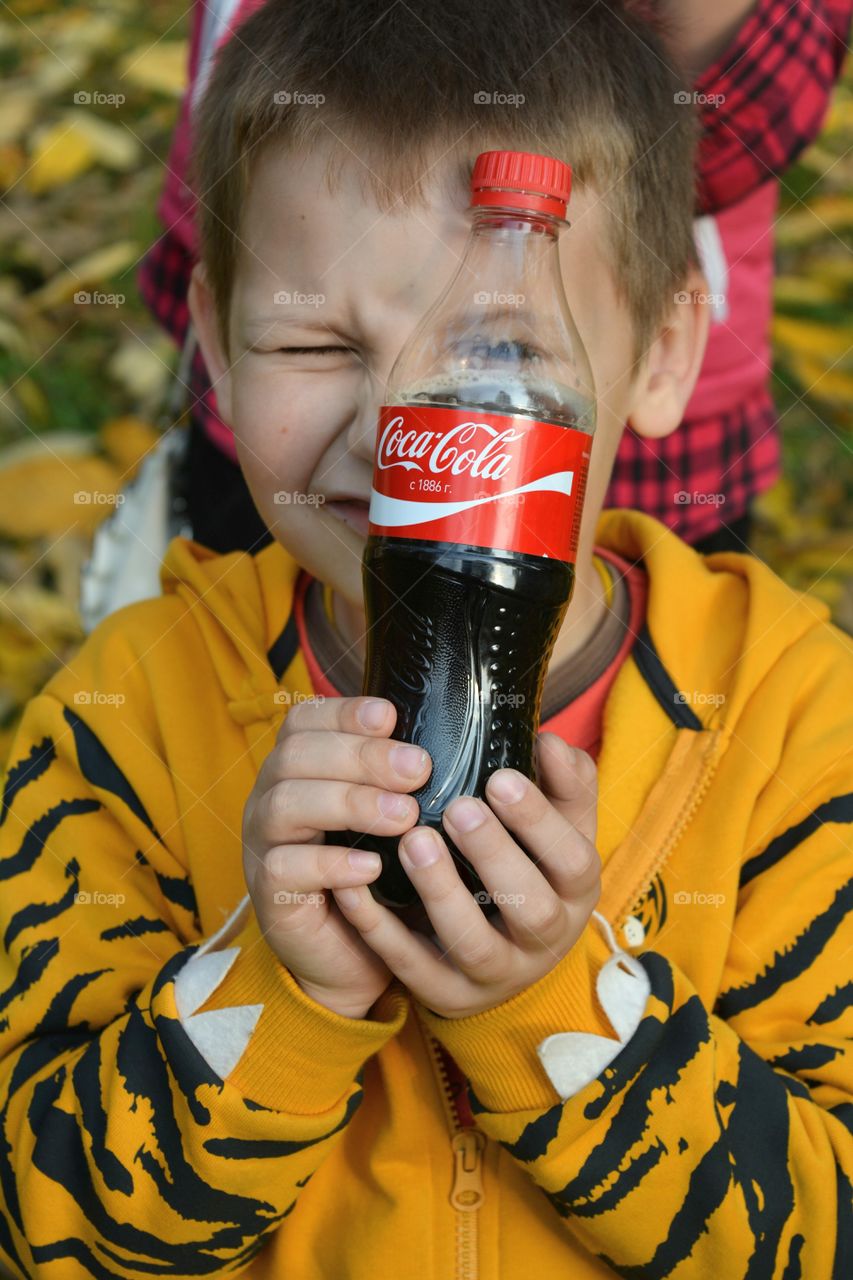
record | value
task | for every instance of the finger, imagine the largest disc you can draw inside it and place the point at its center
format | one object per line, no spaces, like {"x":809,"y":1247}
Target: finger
{"x":532,"y":909}
{"x":410,"y":956}
{"x":376,"y":716}
{"x":346,"y":757}
{"x":561,"y":852}
{"x":290,"y":880}
{"x":295,"y":810}
{"x":569,"y":776}
{"x":470,"y":941}
{"x":307,"y":867}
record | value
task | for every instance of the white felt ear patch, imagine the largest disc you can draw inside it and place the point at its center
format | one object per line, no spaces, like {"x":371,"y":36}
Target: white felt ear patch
{"x":221,"y":1035}
{"x":573,"y":1059}
{"x":200,"y":977}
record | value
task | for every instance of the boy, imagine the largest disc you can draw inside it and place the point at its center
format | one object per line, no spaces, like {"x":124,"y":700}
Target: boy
{"x":197,"y":1080}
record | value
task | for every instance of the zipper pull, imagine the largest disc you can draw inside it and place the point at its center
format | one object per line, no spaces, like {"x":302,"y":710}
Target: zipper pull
{"x":467,"y":1190}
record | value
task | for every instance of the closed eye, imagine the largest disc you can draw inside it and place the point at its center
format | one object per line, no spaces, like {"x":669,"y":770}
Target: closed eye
{"x":302,"y":351}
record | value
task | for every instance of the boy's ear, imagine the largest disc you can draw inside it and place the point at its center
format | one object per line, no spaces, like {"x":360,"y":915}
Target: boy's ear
{"x":203,"y":312}
{"x":669,"y":372}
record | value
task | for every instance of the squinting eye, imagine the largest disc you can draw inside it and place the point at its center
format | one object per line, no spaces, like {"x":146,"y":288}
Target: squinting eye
{"x":301,"y":351}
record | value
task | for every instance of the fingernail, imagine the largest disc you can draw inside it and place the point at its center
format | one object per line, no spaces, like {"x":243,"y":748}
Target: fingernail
{"x":408,"y":761}
{"x":363,"y":862}
{"x":372,"y":713}
{"x":421,"y":847}
{"x":392,"y":806}
{"x":466,"y":814}
{"x":507,"y":785}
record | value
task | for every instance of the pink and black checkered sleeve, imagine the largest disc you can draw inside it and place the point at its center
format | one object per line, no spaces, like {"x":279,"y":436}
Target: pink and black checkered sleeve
{"x":765,"y":98}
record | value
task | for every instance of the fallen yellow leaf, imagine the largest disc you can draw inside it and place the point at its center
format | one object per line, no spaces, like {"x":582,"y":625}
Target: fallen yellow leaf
{"x":161,"y":66}
{"x":60,"y":154}
{"x":126,"y":441}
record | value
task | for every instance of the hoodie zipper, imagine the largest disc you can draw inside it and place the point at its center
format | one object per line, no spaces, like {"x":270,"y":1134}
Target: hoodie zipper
{"x":467,"y":1145}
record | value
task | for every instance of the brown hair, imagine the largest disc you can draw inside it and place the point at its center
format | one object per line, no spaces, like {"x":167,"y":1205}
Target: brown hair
{"x":401,"y":86}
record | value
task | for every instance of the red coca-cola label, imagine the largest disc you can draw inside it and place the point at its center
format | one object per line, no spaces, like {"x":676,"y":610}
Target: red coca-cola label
{"x":494,"y":480}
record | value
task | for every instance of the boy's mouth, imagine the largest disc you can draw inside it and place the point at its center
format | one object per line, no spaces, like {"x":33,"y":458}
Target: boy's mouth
{"x":353,"y":511}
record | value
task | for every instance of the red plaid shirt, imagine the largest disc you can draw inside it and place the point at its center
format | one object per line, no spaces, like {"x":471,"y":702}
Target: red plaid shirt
{"x":760,"y":104}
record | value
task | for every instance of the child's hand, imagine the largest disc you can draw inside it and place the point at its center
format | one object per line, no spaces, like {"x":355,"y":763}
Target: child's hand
{"x":545,"y":900}
{"x":329,"y":771}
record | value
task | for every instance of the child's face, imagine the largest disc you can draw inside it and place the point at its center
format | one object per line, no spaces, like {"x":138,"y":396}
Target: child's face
{"x":354,"y":280}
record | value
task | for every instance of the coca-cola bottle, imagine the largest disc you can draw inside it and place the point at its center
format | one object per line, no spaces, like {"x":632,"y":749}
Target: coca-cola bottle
{"x":479,"y":476}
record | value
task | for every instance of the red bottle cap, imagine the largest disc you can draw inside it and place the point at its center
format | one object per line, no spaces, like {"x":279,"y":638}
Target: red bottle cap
{"x":521,"y":180}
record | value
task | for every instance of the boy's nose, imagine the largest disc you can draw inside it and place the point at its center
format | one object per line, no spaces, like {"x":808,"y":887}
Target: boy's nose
{"x":361,"y":433}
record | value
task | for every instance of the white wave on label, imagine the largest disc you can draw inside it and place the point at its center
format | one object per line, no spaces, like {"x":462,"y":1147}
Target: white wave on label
{"x":394,"y":512}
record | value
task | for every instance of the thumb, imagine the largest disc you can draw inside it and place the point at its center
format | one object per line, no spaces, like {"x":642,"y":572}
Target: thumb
{"x":570,"y":781}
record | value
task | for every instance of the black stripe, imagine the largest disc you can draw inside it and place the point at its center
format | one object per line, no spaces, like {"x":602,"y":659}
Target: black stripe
{"x":283,"y":650}
{"x":35,"y":840}
{"x":25,"y":771}
{"x":661,"y":683}
{"x":36,"y":913}
{"x":833,"y":1005}
{"x":789,"y":963}
{"x":806,"y":1058}
{"x":133,"y":928}
{"x":177,"y":890}
{"x":98,"y":767}
{"x":839,"y":809}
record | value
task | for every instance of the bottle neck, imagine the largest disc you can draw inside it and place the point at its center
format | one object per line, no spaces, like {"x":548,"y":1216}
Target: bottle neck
{"x":487,"y":219}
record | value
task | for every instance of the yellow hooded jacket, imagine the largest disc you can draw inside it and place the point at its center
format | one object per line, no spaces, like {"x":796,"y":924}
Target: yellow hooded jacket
{"x":715,"y":1142}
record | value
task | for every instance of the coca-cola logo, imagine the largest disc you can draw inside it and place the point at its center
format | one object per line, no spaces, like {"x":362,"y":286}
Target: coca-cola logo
{"x":443,"y":451}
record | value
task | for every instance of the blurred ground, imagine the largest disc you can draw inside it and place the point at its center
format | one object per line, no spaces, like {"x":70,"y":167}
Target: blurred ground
{"x":91,"y":95}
